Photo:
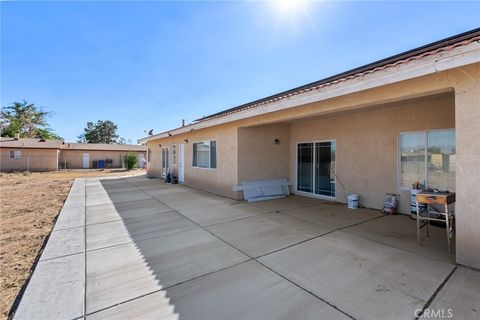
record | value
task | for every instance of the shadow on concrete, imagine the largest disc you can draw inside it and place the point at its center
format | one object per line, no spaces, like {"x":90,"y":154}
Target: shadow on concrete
{"x":176,"y":250}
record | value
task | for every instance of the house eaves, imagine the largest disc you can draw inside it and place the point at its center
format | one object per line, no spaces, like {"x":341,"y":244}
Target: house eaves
{"x":439,"y":56}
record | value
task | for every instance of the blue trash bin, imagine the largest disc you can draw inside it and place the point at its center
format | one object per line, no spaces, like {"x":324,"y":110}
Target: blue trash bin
{"x":101,"y":164}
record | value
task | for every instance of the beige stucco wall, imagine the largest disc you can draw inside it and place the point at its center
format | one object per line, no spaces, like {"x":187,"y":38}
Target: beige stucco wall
{"x":367,"y":144}
{"x":258,"y":155}
{"x":462,"y":82}
{"x":74,"y":158}
{"x":31,"y":160}
{"x":219,"y":180}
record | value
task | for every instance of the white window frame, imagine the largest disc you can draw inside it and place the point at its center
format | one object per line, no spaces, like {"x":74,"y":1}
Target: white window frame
{"x":399,"y":156}
{"x":17,"y":154}
{"x":209,"y":155}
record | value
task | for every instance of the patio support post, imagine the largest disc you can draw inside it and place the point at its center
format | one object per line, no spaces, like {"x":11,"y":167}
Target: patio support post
{"x":467,"y":125}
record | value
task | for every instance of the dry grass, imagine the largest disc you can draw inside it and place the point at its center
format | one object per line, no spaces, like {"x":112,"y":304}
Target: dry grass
{"x":29,"y":206}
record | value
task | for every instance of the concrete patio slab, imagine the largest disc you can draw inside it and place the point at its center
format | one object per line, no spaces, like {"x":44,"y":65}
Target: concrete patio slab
{"x":247,"y":291}
{"x":70,"y":218}
{"x":399,"y":231}
{"x":106,"y":234}
{"x":78,"y":186}
{"x":154,"y":306}
{"x":55,"y":290}
{"x":185,"y":255}
{"x":332,"y":215}
{"x":198,"y":202}
{"x":113,"y":273}
{"x":162,"y":190}
{"x":101,"y":213}
{"x":460,"y":297}
{"x":178,"y":192}
{"x":145,"y":182}
{"x":152,"y":262}
{"x":141,"y":207}
{"x":365,"y":279}
{"x":120,"y":197}
{"x":291,"y":202}
{"x":117,"y":189}
{"x":260,"y":235}
{"x":74,"y":201}
{"x":97,"y":199}
{"x":64,"y":242}
{"x":111,"y":212}
{"x":181,"y":192}
{"x":220,"y":213}
{"x":155,"y":184}
{"x":135,"y":229}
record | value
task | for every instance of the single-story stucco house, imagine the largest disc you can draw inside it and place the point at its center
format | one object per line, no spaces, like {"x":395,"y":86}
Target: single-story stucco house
{"x":19,"y":154}
{"x":413,"y":117}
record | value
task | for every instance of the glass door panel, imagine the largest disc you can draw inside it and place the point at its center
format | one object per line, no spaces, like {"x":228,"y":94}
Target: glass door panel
{"x":305,"y":167}
{"x":325,"y":168}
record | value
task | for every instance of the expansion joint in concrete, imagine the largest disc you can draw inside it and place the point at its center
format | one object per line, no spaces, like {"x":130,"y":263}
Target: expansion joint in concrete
{"x":253,"y":258}
{"x":429,"y":302}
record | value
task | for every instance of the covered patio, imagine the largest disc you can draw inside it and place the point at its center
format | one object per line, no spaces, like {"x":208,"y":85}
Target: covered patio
{"x":138,"y":248}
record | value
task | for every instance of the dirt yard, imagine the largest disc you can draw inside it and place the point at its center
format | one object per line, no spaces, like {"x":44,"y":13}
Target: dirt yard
{"x":29,"y":205}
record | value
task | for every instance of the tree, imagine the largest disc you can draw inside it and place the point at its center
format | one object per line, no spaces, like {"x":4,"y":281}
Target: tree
{"x":27,"y":120}
{"x":100,"y":132}
{"x":124,"y":141}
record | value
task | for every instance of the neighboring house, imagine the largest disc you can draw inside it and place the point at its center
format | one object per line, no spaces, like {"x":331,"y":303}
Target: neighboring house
{"x":45,"y":155}
{"x":90,"y":155}
{"x":29,"y":154}
{"x":371,"y":130}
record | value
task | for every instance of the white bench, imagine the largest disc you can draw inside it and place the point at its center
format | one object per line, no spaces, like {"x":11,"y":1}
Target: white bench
{"x":260,"y":190}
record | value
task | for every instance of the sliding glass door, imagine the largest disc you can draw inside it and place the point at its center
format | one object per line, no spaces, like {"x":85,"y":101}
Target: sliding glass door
{"x":316,"y":168}
{"x":305,"y":167}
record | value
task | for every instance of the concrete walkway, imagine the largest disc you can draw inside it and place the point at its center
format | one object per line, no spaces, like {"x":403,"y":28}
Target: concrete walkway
{"x":135,"y":248}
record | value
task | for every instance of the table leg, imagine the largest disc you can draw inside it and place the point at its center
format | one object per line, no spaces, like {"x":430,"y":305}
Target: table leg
{"x":418,"y":224}
{"x":447,"y":221}
{"x":428,"y":221}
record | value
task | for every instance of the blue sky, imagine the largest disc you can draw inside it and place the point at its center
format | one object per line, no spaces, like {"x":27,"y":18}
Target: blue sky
{"x":147,"y":65}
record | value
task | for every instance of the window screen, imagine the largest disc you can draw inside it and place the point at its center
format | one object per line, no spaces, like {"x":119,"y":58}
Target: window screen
{"x":205,"y":154}
{"x":15,"y":154}
{"x":412,"y":159}
{"x":428,"y":158}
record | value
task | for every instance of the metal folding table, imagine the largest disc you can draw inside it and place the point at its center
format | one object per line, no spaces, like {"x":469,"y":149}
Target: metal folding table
{"x":443,"y":199}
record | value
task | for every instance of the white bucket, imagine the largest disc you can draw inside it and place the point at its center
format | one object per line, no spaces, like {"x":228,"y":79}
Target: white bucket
{"x":352,"y":200}
{"x":413,"y":201}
